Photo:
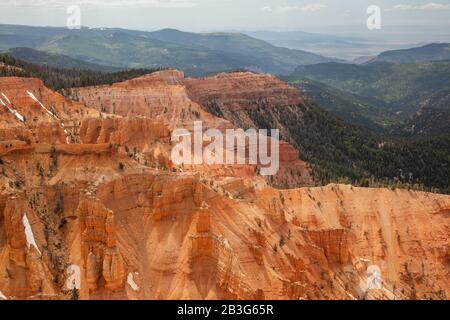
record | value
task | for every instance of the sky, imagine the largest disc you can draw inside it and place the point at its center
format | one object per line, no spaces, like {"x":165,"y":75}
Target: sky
{"x":214,"y":15}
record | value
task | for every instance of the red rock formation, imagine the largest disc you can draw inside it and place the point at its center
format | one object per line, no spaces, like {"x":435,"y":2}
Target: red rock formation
{"x":108,"y":224}
{"x":30,"y":112}
{"x":98,"y":246}
{"x":167,"y":95}
{"x":234,"y":96}
{"x":27,"y":270}
{"x":160,"y":95}
{"x":123,"y":131}
{"x":242,"y":90}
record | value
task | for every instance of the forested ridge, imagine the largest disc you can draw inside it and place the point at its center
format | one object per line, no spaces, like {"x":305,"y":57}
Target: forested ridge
{"x":343,"y":152}
{"x":62,"y":78}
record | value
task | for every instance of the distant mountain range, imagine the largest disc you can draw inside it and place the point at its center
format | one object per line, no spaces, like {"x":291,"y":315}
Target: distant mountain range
{"x":400,"y":92}
{"x":347,"y":48}
{"x":430,"y":52}
{"x":197,"y":54}
{"x":344,"y":47}
{"x":357,"y":49}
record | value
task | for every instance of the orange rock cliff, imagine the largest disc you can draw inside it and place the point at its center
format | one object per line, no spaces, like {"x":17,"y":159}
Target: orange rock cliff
{"x":92,"y":207}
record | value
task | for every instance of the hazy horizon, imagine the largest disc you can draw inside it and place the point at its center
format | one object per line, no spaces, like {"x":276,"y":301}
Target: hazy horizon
{"x":404,"y":23}
{"x":218,"y":15}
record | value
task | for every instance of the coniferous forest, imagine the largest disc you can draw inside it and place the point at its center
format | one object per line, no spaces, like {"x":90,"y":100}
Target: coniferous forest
{"x":62,"y":78}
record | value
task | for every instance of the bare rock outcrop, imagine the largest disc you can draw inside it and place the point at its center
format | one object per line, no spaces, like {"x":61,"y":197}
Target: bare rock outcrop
{"x":99,"y":250}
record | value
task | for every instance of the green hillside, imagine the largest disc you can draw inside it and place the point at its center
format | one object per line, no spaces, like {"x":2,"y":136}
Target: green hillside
{"x":349,"y":107}
{"x":256,"y":52}
{"x":55,"y":60}
{"x":432,"y":118}
{"x":196,"y":54}
{"x":430,"y":52}
{"x":338,"y":150}
{"x":397,"y":87}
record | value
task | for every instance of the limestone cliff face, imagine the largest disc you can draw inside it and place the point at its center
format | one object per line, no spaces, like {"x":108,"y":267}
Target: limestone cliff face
{"x":26,"y":271}
{"x":241,"y":90}
{"x":122,"y":131}
{"x":160,"y":95}
{"x":188,"y":238}
{"x":220,"y":102}
{"x":239,"y":97}
{"x":108,"y":216}
{"x":32,"y":113}
{"x":98,"y":246}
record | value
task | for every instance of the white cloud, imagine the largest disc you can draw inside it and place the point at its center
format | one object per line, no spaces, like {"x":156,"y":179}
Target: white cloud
{"x":312,"y":7}
{"x":99,"y":3}
{"x":427,"y":6}
{"x":266,"y":9}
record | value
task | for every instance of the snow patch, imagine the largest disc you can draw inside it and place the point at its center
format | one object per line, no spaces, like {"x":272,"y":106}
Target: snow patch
{"x":73,"y":280}
{"x":132,"y":284}
{"x":67,"y":134}
{"x":18,"y":115}
{"x":29,"y":233}
{"x":40,"y":103}
{"x":2,"y":296}
{"x":11,"y":110}
{"x":53,"y":115}
{"x":4,"y":96}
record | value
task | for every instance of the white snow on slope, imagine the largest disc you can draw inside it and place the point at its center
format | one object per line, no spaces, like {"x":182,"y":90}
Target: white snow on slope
{"x":50,"y":113}
{"x":12,"y":111}
{"x":67,"y":136}
{"x":40,"y":103}
{"x":29,"y":233}
{"x":73,"y":280}
{"x":130,"y":281}
{"x":4,"y":96}
{"x":18,"y":115}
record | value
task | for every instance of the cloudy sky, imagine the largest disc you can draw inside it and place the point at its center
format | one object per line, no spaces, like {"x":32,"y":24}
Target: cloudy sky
{"x":207,"y":15}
